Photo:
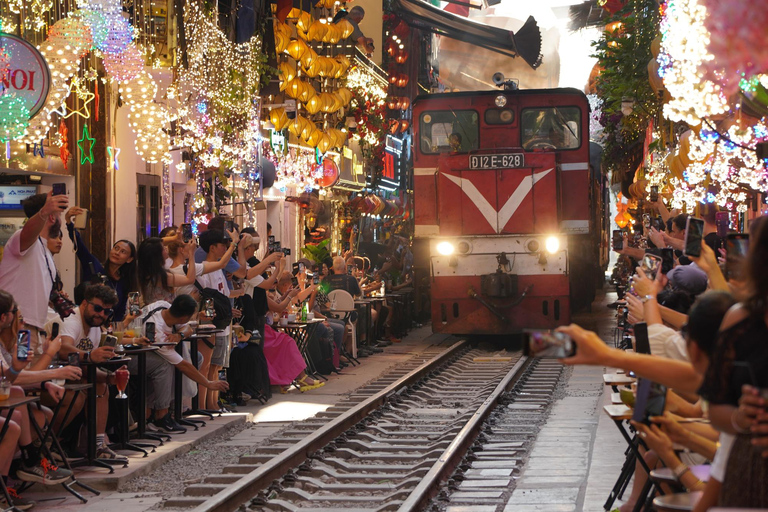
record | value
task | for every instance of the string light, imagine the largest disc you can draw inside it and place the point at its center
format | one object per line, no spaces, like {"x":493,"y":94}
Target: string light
{"x":14,"y":117}
{"x":126,"y":65}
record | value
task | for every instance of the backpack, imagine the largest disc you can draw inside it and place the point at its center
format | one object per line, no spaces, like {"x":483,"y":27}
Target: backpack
{"x":221,"y":305}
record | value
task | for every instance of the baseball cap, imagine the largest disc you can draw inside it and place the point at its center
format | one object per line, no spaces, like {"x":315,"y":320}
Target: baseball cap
{"x":688,"y":278}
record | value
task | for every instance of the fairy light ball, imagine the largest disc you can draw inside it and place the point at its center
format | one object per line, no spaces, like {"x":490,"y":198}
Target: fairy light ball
{"x":98,"y":23}
{"x":14,"y":117}
{"x":119,"y":36}
{"x":139,"y":90}
{"x":74,"y":31}
{"x":126,"y":65}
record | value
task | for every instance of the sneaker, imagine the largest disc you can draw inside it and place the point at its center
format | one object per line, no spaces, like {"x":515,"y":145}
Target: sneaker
{"x":168,"y":425}
{"x":44,"y":473}
{"x":19,"y":503}
{"x":106,"y":453}
{"x":245,"y":396}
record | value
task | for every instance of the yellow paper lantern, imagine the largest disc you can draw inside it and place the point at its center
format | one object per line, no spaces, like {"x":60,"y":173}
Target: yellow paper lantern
{"x":343,"y":60}
{"x":279,"y":118}
{"x":314,"y":69}
{"x":281,"y":42}
{"x":338,"y":102}
{"x":338,"y":70}
{"x":326,"y":102}
{"x":293,"y":88}
{"x":304,"y":21}
{"x":307,"y":92}
{"x":345,"y":27}
{"x":314,"y":137}
{"x":297,"y":49}
{"x":324,"y":144}
{"x":345,"y":94}
{"x":317,"y":30}
{"x":308,"y":57}
{"x":287,"y":71}
{"x":657,"y":84}
{"x":313,"y":105}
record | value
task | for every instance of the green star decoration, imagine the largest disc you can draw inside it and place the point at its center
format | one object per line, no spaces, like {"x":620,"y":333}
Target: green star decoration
{"x":86,"y":136}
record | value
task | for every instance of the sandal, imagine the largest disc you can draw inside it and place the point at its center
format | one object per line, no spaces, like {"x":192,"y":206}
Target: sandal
{"x":305,"y":386}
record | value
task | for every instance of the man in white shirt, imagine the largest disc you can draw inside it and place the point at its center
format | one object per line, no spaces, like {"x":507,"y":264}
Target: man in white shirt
{"x":81,"y":333}
{"x":170,"y":327}
{"x":27,"y":270}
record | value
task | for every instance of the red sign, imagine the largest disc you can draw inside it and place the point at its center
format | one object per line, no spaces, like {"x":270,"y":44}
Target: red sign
{"x":330,"y":173}
{"x":389,"y":166}
{"x":28,"y":77}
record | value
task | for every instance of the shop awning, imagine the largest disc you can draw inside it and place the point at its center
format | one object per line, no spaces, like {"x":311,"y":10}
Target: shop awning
{"x":526,"y":43}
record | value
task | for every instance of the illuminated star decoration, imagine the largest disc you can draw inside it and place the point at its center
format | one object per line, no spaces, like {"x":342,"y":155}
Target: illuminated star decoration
{"x":64,"y":150}
{"x":38,"y":149}
{"x":83,"y":94}
{"x":86,"y":136}
{"x":113,"y":153}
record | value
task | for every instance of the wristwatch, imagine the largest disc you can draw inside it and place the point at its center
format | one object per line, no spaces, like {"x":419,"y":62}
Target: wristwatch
{"x":647,"y":298}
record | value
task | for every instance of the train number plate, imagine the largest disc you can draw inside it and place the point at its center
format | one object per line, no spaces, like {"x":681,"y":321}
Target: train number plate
{"x":503,"y":161}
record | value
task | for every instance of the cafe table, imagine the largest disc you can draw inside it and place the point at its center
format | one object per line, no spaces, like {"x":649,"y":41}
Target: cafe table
{"x":141,"y":352}
{"x":10,"y":404}
{"x":302,"y":332}
{"x":90,"y":459}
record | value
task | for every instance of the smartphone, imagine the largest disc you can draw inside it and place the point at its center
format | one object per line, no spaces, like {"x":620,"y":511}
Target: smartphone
{"x":286,"y":251}
{"x":295,"y":268}
{"x":316,"y":279}
{"x":694,"y":232}
{"x":654,"y":195}
{"x":642,"y":343}
{"x":722,"y":222}
{"x":302,"y":268}
{"x":81,"y":220}
{"x":650,"y":400}
{"x":271,"y":247}
{"x":277,"y":245}
{"x":667,"y":259}
{"x":650,"y":265}
{"x":149,"y":331}
{"x":229,"y":225}
{"x":186,"y":232}
{"x":349,"y":270}
{"x":618,"y":240}
{"x":646,"y":221}
{"x":59,"y":189}
{"x":295,"y":281}
{"x":548,"y":344}
{"x":110,"y":341}
{"x":271,"y":239}
{"x":736,"y":249}
{"x":74,"y":359}
{"x":22,"y":344}
{"x":54,"y":331}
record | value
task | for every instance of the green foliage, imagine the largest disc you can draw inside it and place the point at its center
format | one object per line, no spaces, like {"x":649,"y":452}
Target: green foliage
{"x":317,"y":253}
{"x":624,"y":55}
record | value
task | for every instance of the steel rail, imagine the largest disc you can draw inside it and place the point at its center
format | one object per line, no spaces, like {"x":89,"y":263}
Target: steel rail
{"x":454,"y":453}
{"x":247,"y":487}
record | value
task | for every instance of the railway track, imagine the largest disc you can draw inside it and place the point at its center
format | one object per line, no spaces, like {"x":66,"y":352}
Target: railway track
{"x":389,"y":451}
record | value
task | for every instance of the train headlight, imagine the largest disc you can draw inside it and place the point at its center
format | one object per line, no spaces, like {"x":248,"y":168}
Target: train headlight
{"x":445,"y":248}
{"x":500,"y":100}
{"x":552,"y":244}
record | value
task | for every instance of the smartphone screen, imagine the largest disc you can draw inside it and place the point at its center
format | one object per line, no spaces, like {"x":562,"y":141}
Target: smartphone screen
{"x":722,"y":223}
{"x":110,"y":341}
{"x":302,"y":268}
{"x":59,"y":189}
{"x":736,"y":248}
{"x":646,"y":221}
{"x":54,"y":331}
{"x":22,"y":344}
{"x":316,"y":279}
{"x":149,"y":331}
{"x":694,"y":232}
{"x":349,"y":270}
{"x":667,"y":260}
{"x":618,"y":240}
{"x":229,"y":225}
{"x":650,"y":265}
{"x":650,"y":401}
{"x":295,"y":281}
{"x":286,"y":251}
{"x":74,"y":359}
{"x":548,"y":344}
{"x":295,"y":268}
{"x":271,"y":239}
{"x":654,"y":196}
{"x":186,"y":232}
{"x":642,"y":343}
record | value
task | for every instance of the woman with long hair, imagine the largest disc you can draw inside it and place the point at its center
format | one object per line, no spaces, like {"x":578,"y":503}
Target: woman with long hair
{"x":156,"y":282}
{"x":119,"y":269}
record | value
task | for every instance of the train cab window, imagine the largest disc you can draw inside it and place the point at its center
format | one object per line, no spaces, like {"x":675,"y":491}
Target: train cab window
{"x":449,"y":131}
{"x":550,"y":128}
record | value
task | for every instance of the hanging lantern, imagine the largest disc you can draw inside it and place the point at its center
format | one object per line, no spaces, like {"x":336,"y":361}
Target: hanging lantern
{"x":403,"y":103}
{"x":297,"y":48}
{"x":402,"y":56}
{"x":308,"y":58}
{"x":119,"y":36}
{"x":97,"y":22}
{"x":286,"y":71}
{"x":326,"y":102}
{"x":393,"y":78}
{"x":345,"y":94}
{"x":281,"y":42}
{"x":125,"y":65}
{"x":307,"y":92}
{"x":620,"y":220}
{"x":345,"y":27}
{"x":279,"y":118}
{"x":402,"y":80}
{"x":404,"y":125}
{"x":140,"y":90}
{"x":392,"y":103}
{"x":324,"y":144}
{"x":317,"y":30}
{"x":391,"y":48}
{"x":393,"y":125}
{"x":75,"y":32}
{"x":314,"y":137}
{"x":304,"y":21}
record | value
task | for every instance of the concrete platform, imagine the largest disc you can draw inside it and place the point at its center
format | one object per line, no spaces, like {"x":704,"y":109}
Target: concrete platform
{"x":277,"y":414}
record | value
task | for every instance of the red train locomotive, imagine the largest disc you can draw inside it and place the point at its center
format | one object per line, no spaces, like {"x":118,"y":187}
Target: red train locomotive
{"x":509,"y":213}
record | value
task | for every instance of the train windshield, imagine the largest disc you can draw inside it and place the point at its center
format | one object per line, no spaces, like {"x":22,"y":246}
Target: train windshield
{"x":449,"y":131}
{"x":550,"y":128}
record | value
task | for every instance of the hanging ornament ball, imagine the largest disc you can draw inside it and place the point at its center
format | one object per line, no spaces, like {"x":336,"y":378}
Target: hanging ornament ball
{"x":14,"y":117}
{"x":97,"y":22}
{"x":74,"y":31}
{"x":119,"y":36}
{"x":268,"y":172}
{"x":125,"y":65}
{"x":140,"y":90}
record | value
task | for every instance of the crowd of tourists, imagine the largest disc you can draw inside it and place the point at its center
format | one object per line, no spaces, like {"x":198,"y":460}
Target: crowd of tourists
{"x":225,"y":289}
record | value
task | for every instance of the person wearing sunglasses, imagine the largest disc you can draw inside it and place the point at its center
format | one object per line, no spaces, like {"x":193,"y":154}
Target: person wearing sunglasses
{"x":81,"y":333}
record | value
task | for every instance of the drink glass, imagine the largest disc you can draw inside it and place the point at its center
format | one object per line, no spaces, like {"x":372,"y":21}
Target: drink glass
{"x":121,"y":381}
{"x":5,"y":389}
